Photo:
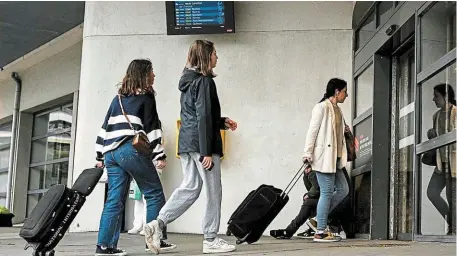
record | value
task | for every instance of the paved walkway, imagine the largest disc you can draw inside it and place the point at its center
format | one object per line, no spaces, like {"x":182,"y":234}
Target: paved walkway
{"x":83,"y":244}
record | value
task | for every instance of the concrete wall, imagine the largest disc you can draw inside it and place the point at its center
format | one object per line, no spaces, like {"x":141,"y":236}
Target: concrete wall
{"x":47,"y":80}
{"x":52,"y":78}
{"x":7,"y":87}
{"x":270,"y":74}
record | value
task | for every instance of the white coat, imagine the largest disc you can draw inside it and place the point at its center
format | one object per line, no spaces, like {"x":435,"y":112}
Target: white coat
{"x":321,"y":144}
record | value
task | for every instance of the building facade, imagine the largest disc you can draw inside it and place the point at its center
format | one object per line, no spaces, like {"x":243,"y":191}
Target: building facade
{"x":271,"y":72}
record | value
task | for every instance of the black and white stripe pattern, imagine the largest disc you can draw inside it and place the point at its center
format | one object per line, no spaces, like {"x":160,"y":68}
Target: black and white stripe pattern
{"x":142,"y":113}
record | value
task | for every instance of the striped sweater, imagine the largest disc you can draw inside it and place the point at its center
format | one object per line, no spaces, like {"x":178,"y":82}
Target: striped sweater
{"x":142,"y":112}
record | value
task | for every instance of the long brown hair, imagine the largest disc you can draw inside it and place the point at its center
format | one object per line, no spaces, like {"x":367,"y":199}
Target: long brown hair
{"x":199,"y":57}
{"x":136,"y":79}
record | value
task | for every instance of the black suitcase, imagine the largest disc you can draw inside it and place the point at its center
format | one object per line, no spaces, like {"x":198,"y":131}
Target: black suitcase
{"x":55,"y":211}
{"x":258,"y":210}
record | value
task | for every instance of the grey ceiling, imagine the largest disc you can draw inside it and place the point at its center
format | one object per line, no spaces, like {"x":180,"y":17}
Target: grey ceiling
{"x":24,"y":26}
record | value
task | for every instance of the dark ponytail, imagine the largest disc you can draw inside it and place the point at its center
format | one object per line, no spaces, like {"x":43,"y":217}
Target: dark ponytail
{"x":442,"y":88}
{"x":324,"y":98}
{"x":332,"y":85}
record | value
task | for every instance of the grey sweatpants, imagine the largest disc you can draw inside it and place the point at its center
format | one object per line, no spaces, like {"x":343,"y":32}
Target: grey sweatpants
{"x":189,"y":190}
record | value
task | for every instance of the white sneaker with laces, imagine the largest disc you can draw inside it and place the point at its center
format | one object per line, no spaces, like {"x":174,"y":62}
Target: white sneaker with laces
{"x":153,"y":235}
{"x":217,"y":246}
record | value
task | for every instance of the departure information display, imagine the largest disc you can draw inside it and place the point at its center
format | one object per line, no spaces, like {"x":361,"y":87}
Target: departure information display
{"x":200,"y":17}
{"x":199,"y":13}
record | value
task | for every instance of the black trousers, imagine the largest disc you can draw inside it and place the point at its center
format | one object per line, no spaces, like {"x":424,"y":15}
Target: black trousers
{"x":341,"y":215}
{"x":308,"y":209}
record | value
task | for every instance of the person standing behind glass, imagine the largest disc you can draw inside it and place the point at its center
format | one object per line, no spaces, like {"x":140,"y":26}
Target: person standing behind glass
{"x":444,"y":176}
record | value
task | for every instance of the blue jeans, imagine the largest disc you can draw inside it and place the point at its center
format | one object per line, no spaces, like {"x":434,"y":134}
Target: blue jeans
{"x":123,"y":163}
{"x":333,"y":189}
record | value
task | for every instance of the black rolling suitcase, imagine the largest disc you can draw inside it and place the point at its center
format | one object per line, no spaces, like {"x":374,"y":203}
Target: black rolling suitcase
{"x":53,"y":214}
{"x":258,"y":210}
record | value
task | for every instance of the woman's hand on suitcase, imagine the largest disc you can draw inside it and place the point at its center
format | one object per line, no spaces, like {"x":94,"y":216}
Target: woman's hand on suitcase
{"x":99,"y":164}
{"x":307,"y":159}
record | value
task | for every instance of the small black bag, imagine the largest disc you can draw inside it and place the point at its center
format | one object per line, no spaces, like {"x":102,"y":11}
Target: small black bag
{"x":429,"y":158}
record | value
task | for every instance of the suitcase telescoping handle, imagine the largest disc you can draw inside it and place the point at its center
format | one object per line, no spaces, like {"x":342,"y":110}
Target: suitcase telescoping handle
{"x":294,"y":180}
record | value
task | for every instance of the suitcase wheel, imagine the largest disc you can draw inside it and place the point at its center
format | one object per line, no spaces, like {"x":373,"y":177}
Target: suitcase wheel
{"x":228,"y":233}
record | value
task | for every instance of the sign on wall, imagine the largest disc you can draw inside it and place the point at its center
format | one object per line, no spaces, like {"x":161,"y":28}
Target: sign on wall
{"x":363,"y":142}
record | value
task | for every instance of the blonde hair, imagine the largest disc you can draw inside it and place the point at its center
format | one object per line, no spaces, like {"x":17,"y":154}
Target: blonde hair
{"x":199,"y":57}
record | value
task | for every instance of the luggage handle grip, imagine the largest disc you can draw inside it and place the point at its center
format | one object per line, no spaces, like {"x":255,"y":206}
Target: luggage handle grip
{"x":294,"y":180}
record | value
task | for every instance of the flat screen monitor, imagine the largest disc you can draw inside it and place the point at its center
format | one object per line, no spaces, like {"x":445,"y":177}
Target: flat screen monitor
{"x":200,"y":17}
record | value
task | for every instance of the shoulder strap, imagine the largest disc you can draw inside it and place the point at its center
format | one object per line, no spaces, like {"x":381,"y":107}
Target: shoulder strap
{"x":123,"y":112}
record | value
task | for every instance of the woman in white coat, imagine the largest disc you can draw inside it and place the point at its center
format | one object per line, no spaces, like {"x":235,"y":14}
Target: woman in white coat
{"x":325,"y":150}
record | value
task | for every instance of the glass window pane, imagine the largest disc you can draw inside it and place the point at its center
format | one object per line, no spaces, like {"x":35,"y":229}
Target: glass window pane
{"x":5,"y":133}
{"x":406,"y":128}
{"x":4,"y":157}
{"x":438,"y":104}
{"x":366,"y":32}
{"x":363,"y":140}
{"x":385,"y":9}
{"x":2,"y":201}
{"x":406,"y":79}
{"x":32,"y":201}
{"x":45,"y":176}
{"x":51,"y":148}
{"x":55,"y":121}
{"x":438,"y":191}
{"x":437,"y":32}
{"x":3,"y":182}
{"x":364,"y":91}
{"x":362,"y":201}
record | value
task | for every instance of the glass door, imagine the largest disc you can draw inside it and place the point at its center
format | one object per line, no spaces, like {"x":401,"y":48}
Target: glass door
{"x":402,"y":147}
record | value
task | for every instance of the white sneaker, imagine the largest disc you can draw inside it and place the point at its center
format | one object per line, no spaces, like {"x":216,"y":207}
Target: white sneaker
{"x":142,"y":233}
{"x":337,"y":233}
{"x":343,"y":235}
{"x":217,"y":246}
{"x":134,"y":231}
{"x":153,"y":235}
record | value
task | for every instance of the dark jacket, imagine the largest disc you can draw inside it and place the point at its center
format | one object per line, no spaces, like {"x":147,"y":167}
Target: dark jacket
{"x":201,"y":119}
{"x":311,"y":184}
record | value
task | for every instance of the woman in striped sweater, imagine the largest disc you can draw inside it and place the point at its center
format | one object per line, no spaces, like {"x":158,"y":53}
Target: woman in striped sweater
{"x":115,"y":151}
